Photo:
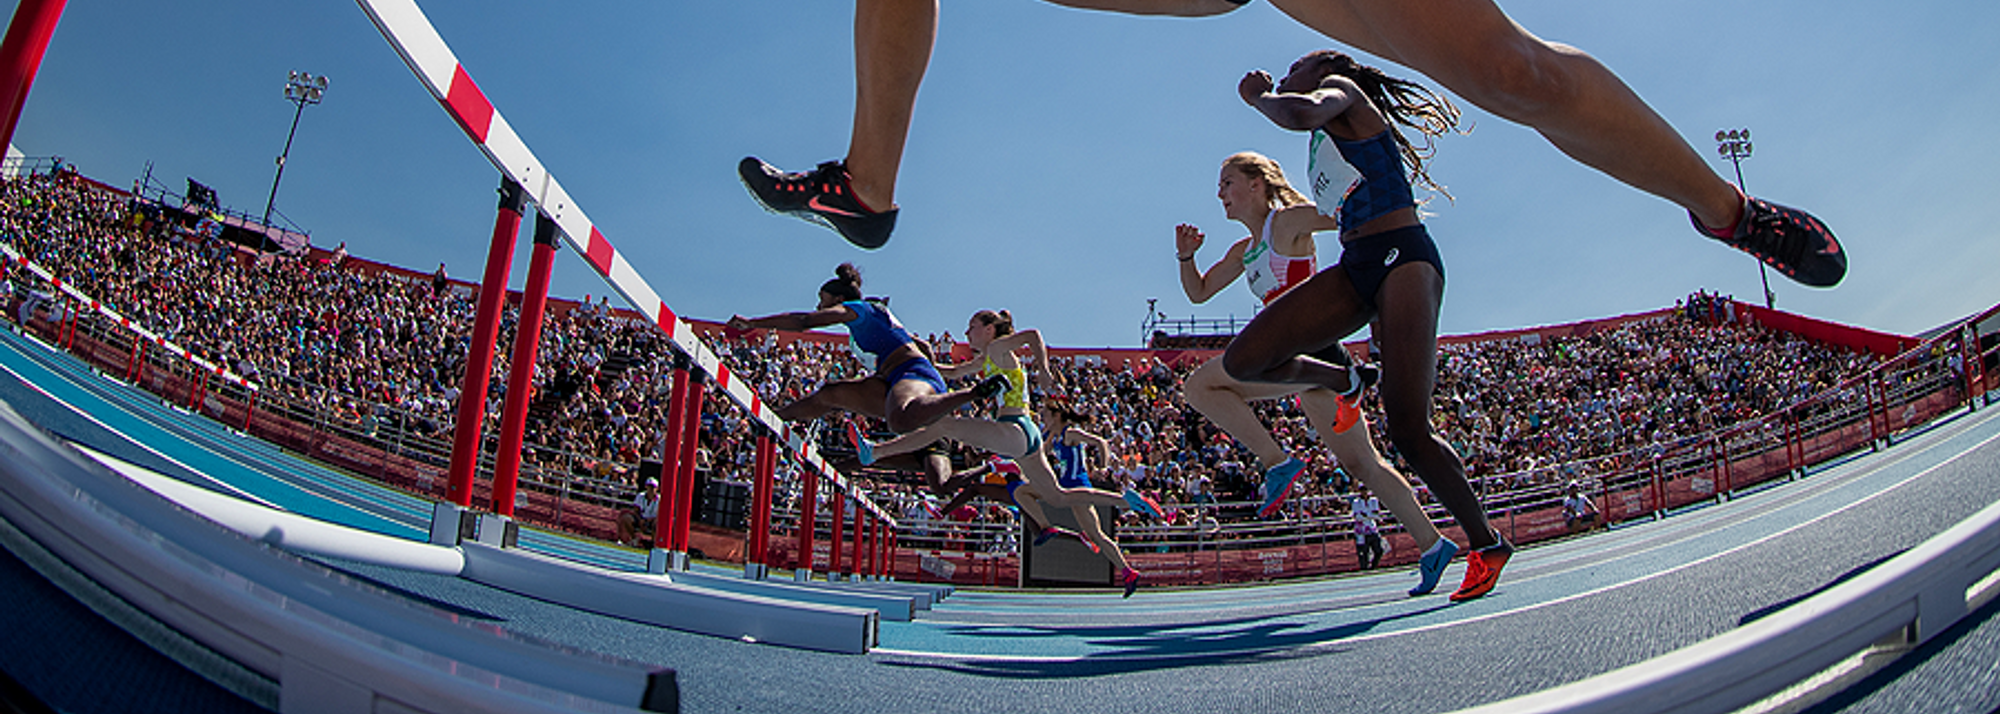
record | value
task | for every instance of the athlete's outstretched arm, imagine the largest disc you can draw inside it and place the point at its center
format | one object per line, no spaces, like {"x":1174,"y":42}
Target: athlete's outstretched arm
{"x":956,"y":370}
{"x":1103,"y":445}
{"x":795,"y":320}
{"x":1045,"y":373}
{"x":1182,"y":8}
{"x":1032,"y":339}
{"x":1293,"y":110}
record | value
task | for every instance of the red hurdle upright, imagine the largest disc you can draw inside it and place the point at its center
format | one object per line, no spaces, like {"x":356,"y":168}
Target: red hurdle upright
{"x":756,"y":563}
{"x":521,"y":370}
{"x":447,"y":526}
{"x":802,"y":567}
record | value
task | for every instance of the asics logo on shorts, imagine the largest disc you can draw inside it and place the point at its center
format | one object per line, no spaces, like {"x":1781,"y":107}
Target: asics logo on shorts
{"x":1390,"y":259}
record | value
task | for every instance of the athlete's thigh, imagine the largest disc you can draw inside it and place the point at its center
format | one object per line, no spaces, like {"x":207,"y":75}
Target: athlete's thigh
{"x":1338,"y":20}
{"x":1211,"y":375}
{"x":864,"y":396}
{"x":1320,"y":312}
{"x":904,"y":391}
{"x":997,"y":437}
{"x":1410,"y":299}
{"x":1443,"y":39}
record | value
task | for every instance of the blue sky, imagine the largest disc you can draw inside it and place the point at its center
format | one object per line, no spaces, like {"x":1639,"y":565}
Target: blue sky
{"x":1054,"y":149}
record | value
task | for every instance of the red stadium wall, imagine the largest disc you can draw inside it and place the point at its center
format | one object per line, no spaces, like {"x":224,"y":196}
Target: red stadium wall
{"x":1854,"y":338}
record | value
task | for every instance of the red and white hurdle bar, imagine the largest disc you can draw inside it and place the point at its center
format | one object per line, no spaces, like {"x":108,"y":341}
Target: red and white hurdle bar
{"x":202,"y":366}
{"x":406,"y":28}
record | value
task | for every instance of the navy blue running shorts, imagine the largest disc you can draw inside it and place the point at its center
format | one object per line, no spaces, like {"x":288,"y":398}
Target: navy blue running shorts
{"x":1368,"y":260}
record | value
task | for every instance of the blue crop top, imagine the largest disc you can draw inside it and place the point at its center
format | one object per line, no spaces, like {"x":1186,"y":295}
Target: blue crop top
{"x":1384,"y":186}
{"x":874,"y":330}
{"x":1068,"y":459}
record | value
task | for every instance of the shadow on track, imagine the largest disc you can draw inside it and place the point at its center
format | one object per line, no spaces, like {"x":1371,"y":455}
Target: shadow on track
{"x":1145,"y":648}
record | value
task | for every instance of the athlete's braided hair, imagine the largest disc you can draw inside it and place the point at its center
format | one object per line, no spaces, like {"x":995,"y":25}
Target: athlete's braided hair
{"x":1403,"y":102}
{"x":1276,"y":188}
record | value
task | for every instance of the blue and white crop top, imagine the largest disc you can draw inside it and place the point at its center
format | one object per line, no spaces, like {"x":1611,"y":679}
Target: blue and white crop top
{"x":1384,"y":186}
{"x":874,"y":330}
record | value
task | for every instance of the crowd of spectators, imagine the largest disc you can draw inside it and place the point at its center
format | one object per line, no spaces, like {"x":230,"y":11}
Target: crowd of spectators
{"x":383,"y":350}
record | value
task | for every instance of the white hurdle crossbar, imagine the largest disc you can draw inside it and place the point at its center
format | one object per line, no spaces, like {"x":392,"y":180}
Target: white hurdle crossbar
{"x":406,"y":28}
{"x":312,"y":639}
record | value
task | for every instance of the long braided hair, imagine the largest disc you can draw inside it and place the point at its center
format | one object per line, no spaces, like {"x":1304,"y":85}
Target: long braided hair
{"x":1404,"y":102}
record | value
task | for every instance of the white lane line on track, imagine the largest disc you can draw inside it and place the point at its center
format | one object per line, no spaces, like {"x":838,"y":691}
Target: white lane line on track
{"x":352,"y":489}
{"x":915,"y":654}
{"x":246,"y":495}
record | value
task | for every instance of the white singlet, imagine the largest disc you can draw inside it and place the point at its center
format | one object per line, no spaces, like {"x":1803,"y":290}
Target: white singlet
{"x":1329,"y":175}
{"x":1367,"y":515}
{"x":1270,"y":274}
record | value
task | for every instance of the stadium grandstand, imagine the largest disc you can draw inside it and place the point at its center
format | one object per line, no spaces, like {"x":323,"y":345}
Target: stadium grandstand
{"x":356,"y":364}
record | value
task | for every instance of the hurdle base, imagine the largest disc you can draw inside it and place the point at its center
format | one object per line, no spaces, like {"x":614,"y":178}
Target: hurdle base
{"x":497,"y":530}
{"x":451,"y":524}
{"x":756,"y":571}
{"x":802,"y":575}
{"x":661,"y":561}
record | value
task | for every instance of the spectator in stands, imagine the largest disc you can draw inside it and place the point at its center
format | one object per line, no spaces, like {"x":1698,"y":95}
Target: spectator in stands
{"x":1579,"y":514}
{"x":1368,"y":544}
{"x":639,"y":518}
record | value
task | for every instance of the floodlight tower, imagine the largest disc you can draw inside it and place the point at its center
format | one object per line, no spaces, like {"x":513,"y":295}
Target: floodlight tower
{"x":303,"y":88}
{"x":1734,"y":144}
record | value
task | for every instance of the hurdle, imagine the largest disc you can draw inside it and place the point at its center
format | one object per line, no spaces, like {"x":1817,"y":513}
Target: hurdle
{"x":525,"y":179}
{"x":297,"y":636}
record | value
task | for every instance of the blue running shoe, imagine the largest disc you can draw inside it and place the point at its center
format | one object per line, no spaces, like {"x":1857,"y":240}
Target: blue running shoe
{"x":1130,"y":579}
{"x":1278,"y":484}
{"x":1143,"y":505}
{"x":863,"y":450}
{"x":1431,"y":566}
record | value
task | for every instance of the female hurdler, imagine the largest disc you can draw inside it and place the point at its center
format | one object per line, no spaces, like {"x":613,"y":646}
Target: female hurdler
{"x":905,"y":390}
{"x":1012,"y":432}
{"x":1278,"y":255}
{"x":1389,"y":272}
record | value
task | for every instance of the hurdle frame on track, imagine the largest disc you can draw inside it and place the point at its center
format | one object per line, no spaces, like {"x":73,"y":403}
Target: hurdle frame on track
{"x":403,"y":24}
{"x":314,"y":637}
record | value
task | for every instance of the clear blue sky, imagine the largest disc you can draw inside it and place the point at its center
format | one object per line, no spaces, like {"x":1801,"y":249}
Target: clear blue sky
{"x":1054,"y":149}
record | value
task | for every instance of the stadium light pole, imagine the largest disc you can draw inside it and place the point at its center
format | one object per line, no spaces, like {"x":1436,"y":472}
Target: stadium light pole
{"x":1734,"y":144}
{"x":301,"y":89}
